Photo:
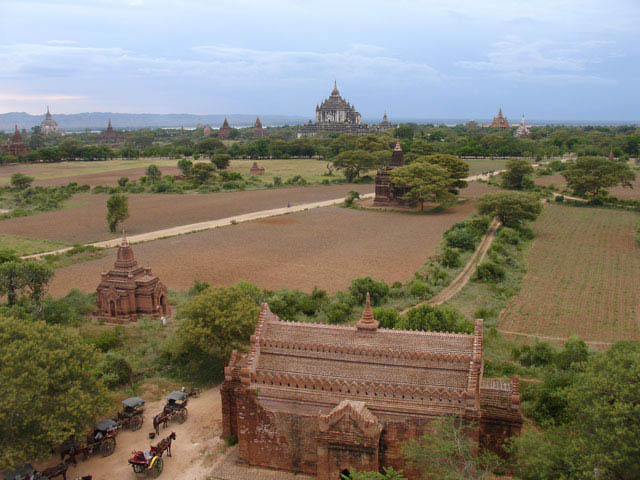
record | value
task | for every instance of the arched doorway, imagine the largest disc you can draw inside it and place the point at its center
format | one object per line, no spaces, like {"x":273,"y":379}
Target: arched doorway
{"x":112,"y":308}
{"x":163,"y":304}
{"x":344,"y":474}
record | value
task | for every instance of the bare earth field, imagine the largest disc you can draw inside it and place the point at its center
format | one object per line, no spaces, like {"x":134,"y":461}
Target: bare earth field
{"x":582,"y":278}
{"x":622,"y":193}
{"x":327,"y":247}
{"x":83,"y":220}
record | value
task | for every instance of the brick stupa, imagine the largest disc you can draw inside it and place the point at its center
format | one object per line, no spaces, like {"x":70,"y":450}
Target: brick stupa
{"x":129,"y":290}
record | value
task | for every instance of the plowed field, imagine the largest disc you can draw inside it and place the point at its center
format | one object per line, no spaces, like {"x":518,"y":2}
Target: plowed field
{"x":583,"y":271}
{"x":84,"y":221}
{"x":327,"y":247}
{"x":619,"y":192}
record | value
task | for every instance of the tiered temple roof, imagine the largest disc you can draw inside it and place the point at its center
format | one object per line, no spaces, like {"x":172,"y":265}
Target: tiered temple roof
{"x":224,"y":131}
{"x":15,"y":146}
{"x":500,"y":121}
{"x":48,"y":125}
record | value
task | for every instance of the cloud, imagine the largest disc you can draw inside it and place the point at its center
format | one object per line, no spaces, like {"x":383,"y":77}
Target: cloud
{"x":544,"y":60}
{"x":39,"y":97}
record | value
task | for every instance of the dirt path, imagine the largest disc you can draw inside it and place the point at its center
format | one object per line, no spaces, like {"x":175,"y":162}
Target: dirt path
{"x":194,"y":450}
{"x":544,"y":337}
{"x":465,"y":275}
{"x":196,"y":227}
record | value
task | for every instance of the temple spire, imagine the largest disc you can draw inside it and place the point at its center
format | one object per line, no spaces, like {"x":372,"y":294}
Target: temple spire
{"x":124,"y":242}
{"x":367,"y":321}
{"x":398,"y":148}
{"x":335,"y":91}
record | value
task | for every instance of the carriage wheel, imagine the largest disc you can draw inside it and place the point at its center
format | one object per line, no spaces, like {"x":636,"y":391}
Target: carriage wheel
{"x":137,"y":468}
{"x":182,"y":415}
{"x":136,"y":423}
{"x":108,"y":446}
{"x":156,"y":470}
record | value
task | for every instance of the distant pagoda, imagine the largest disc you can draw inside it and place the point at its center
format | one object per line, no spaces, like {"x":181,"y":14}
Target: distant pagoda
{"x":500,"y":121}
{"x":258,"y":129}
{"x":224,"y":131}
{"x":522,"y":130}
{"x":386,"y":193}
{"x":49,"y":125}
{"x":110,"y":135}
{"x":15,"y":146}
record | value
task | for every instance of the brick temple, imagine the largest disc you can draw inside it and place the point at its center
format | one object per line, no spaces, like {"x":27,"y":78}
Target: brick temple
{"x":500,"y":121}
{"x":110,"y":135}
{"x":324,"y":399}
{"x":224,"y":131}
{"x":386,"y":193}
{"x":258,"y":129}
{"x":15,"y":146}
{"x":129,"y":290}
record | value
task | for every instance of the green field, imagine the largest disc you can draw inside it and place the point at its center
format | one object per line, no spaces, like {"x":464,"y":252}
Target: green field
{"x":29,"y":246}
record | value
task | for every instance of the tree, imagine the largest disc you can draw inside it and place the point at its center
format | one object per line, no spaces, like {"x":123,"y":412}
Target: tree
{"x":603,"y":429}
{"x":117,"y":210}
{"x":221,"y":160}
{"x":435,"y":318}
{"x":209,"y":146}
{"x":122,"y":181}
{"x":590,"y":176}
{"x":371,"y":143}
{"x":424,"y":182}
{"x":421,"y":147}
{"x":20,"y":181}
{"x":517,"y":176}
{"x":447,"y":452}
{"x":36,"y":141}
{"x":216,"y":322}
{"x":28,"y":278}
{"x":153,"y":172}
{"x":511,"y":208}
{"x":70,"y":148}
{"x":404,"y":131}
{"x":51,"y":391}
{"x":378,"y":291}
{"x":458,"y":169}
{"x":202,"y":172}
{"x":184,"y":164}
{"x":353,"y":162}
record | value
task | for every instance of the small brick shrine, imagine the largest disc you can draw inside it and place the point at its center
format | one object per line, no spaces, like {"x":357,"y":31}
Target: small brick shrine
{"x":324,"y":399}
{"x":386,"y":193}
{"x":129,"y":290}
{"x":255,"y":169}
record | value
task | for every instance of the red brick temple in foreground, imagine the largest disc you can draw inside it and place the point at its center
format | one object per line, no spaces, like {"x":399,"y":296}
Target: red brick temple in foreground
{"x":324,"y":399}
{"x":129,"y":290}
{"x":15,"y":146}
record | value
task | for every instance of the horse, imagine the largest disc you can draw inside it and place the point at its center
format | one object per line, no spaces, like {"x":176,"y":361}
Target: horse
{"x":160,"y":418}
{"x":164,"y":444}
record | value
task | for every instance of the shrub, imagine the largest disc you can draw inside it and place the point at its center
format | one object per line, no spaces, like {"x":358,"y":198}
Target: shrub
{"x":287,"y":304}
{"x":352,"y":196}
{"x":115,"y":370}
{"x":230,"y":176}
{"x":233,"y":185}
{"x":108,"y":339}
{"x":560,"y":198}
{"x":277,"y":181}
{"x":541,"y":354}
{"x":338,"y":309}
{"x":450,"y":258}
{"x":378,"y":291}
{"x":509,"y":235}
{"x":489,"y":271}
{"x":419,"y":289}
{"x":387,"y":317}
{"x":435,"y":318}
{"x":122,"y":181}
{"x":198,"y":287}
{"x":485,"y":313}
{"x":460,"y":238}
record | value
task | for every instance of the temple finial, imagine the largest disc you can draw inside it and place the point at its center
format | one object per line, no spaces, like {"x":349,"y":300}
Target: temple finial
{"x":124,"y":239}
{"x":367,"y":321}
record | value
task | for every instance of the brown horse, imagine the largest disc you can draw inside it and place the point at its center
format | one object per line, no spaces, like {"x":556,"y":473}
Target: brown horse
{"x":163,"y":445}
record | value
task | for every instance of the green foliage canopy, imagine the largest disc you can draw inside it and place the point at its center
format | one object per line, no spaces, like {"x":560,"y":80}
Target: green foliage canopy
{"x":117,"y":210}
{"x":424,"y":182}
{"x":511,"y":208}
{"x":590,"y":176}
{"x":518,"y":174}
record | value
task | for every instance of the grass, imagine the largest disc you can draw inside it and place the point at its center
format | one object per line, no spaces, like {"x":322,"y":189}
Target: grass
{"x":28,"y":246}
{"x":311,"y":170}
{"x":45,"y":171}
{"x":78,"y":254}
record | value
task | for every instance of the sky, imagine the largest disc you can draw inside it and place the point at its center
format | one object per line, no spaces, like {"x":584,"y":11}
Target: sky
{"x":547,"y":59}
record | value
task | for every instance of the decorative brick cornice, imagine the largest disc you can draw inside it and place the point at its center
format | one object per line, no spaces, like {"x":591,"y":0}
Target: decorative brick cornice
{"x":365,"y":421}
{"x":475,"y":368}
{"x":353,"y":388}
{"x":254,"y":352}
{"x":367,"y":351}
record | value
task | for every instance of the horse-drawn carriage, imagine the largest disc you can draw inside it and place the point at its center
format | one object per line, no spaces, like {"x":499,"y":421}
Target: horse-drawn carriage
{"x":102,"y":439}
{"x":27,"y":472}
{"x":131,"y":415}
{"x":176,"y":407}
{"x":149,"y":462}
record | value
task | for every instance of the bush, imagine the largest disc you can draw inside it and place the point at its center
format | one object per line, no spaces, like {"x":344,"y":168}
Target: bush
{"x":198,"y":287}
{"x":450,"y":258}
{"x":122,"y":181}
{"x":379,"y":291}
{"x":419,"y":289}
{"x":435,"y":318}
{"x":277,"y":181}
{"x":509,"y":235}
{"x":233,"y":185}
{"x":339,"y":308}
{"x":387,"y":317}
{"x":559,"y":198}
{"x":108,"y":339}
{"x":540,"y":355}
{"x":116,"y":370}
{"x":230,"y":176}
{"x":352,"y":196}
{"x":489,"y":271}
{"x":287,"y":304}
{"x":461,"y":239}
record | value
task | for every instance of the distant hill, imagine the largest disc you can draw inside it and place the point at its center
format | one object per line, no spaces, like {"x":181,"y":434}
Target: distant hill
{"x":98,"y":120}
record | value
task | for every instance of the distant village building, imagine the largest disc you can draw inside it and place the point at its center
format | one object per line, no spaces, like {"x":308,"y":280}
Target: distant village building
{"x":258,"y":130}
{"x":500,"y":121}
{"x":49,"y":125}
{"x":386,"y":193}
{"x":15,"y":146}
{"x":327,"y":400}
{"x":224,"y":131}
{"x":110,"y":135}
{"x":206,"y":131}
{"x":129,"y":290}
{"x":333,"y":115}
{"x":256,"y":170}
{"x":522,"y":130}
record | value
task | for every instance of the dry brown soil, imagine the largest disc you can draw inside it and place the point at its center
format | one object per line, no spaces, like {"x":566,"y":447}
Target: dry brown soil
{"x":83,"y":221}
{"x":196,"y":445}
{"x":327,"y":247}
{"x":620,"y":192}
{"x":105,"y":178}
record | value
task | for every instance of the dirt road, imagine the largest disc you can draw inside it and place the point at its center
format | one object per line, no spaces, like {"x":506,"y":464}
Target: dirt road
{"x":194,"y":450}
